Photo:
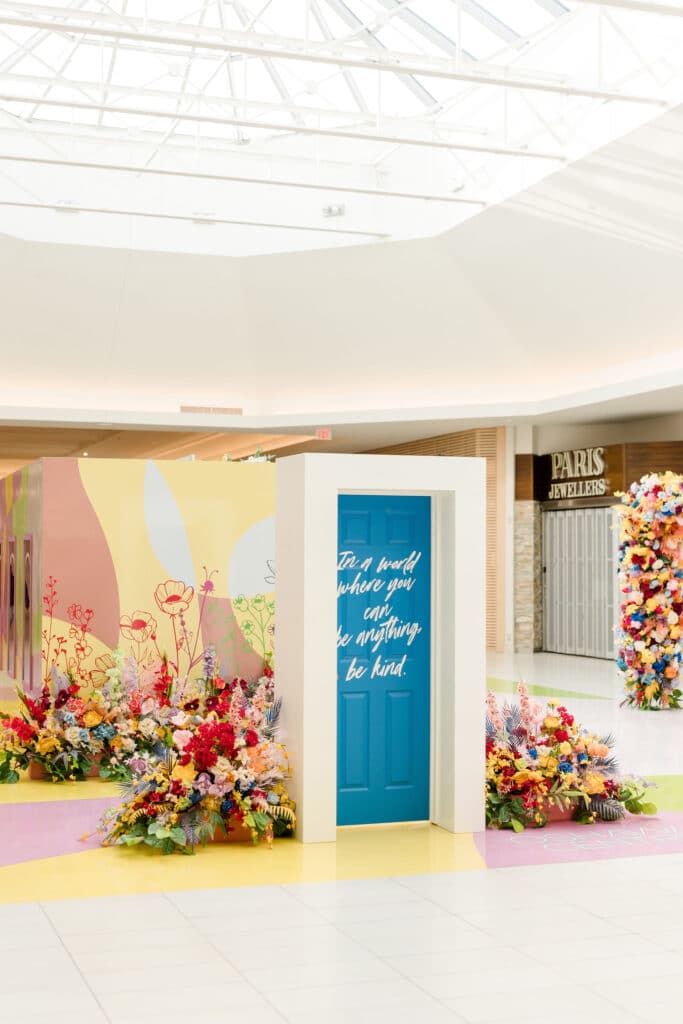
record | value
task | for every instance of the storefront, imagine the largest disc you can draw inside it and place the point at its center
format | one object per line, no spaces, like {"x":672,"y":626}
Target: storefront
{"x":569,"y":498}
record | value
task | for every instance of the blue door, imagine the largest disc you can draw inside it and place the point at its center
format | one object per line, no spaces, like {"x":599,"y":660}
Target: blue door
{"x":383,"y":655}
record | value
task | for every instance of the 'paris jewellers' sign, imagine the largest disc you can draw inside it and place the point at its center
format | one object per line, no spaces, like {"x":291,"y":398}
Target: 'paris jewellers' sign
{"x":579,"y":473}
{"x":579,"y":476}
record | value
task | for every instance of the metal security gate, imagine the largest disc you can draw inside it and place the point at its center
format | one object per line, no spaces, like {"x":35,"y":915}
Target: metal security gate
{"x":580,"y":593}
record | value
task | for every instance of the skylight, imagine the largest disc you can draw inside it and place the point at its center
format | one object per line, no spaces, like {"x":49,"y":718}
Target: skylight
{"x":258,"y":126}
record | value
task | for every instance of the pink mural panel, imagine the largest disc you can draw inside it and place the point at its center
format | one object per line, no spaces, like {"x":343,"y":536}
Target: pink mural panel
{"x":220,"y":629}
{"x":75,"y":551}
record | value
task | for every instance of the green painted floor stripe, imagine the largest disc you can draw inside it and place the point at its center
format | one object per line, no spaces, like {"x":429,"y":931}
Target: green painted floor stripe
{"x":510,"y":686}
{"x":668,"y":796}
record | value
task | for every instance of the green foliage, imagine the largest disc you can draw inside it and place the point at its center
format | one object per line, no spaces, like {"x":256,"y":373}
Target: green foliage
{"x":8,"y":766}
{"x":506,"y":812}
{"x":633,"y":795}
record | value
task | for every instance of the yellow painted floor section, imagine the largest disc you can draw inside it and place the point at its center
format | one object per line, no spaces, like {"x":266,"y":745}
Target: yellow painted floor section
{"x":358,"y":853}
{"x":39,"y":791}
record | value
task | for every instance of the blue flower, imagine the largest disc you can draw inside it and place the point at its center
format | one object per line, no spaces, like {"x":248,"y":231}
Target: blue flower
{"x":532,"y":752}
{"x":564,"y":766}
{"x":85,"y":736}
{"x":582,"y":758}
{"x":69,"y":718}
{"x":105,"y":731}
{"x":226,"y":806}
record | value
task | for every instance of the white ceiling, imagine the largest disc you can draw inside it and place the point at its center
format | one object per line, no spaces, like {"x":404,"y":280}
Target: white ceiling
{"x":564,"y":302}
{"x":239,"y":127}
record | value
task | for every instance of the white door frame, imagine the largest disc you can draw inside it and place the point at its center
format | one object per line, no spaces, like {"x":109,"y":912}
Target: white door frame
{"x":307,"y":491}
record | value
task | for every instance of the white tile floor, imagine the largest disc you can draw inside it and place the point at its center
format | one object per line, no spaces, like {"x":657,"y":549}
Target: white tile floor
{"x":596,"y":942}
{"x":647,"y":743}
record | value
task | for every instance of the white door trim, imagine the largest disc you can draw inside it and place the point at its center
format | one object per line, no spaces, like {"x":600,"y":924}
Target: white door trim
{"x":307,"y":490}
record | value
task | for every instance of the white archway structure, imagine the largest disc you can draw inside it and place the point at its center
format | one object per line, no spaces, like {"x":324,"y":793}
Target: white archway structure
{"x":308,"y":487}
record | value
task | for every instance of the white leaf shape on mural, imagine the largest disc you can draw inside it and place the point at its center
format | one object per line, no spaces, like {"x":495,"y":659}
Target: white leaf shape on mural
{"x":252,"y":561}
{"x":166,"y":528}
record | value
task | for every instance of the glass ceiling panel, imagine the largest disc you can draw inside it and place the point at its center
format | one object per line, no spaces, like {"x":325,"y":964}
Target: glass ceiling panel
{"x":345,"y":121}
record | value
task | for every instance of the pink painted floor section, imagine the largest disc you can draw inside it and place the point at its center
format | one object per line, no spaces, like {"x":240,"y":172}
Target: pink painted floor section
{"x":36,"y":830}
{"x":564,"y":841}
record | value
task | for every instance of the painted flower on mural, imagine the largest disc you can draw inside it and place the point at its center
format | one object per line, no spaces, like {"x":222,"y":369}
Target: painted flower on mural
{"x":103,"y":666}
{"x":208,"y":586}
{"x":540,"y":759}
{"x":173,"y":597}
{"x":139,"y":626}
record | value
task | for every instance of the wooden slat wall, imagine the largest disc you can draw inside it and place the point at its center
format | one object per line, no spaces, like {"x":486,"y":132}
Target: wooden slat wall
{"x":652,"y":457}
{"x":524,"y":477}
{"x":487,"y":443}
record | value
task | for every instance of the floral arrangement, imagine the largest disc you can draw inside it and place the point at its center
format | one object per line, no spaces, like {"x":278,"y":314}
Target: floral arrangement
{"x":207,"y":762}
{"x":539,"y":759}
{"x":651,"y":579}
{"x":66,"y":730}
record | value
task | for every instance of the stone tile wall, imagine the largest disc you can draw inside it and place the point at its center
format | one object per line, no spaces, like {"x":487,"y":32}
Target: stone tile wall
{"x":528,"y":577}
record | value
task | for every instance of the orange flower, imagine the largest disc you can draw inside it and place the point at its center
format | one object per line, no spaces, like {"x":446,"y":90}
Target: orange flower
{"x":139,"y":626}
{"x":173,"y":597}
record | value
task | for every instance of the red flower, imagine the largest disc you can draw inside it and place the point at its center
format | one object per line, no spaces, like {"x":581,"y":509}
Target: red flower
{"x":268,"y":672}
{"x":61,"y":699}
{"x":561,"y":735}
{"x":211,"y":741}
{"x":36,"y":711}
{"x":211,"y":703}
{"x":24,"y":730}
{"x":251,"y":737}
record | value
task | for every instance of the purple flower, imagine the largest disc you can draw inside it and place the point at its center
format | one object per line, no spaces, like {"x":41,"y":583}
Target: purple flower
{"x":209,"y":657}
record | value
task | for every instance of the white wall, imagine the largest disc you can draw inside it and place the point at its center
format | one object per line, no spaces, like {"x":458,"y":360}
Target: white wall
{"x":562,"y":436}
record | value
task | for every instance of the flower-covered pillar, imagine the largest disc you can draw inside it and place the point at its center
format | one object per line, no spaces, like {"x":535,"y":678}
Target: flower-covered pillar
{"x":651,"y":583}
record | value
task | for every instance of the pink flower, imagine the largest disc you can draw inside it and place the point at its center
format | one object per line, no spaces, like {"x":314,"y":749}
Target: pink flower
{"x":494,"y":711}
{"x":181,"y":737}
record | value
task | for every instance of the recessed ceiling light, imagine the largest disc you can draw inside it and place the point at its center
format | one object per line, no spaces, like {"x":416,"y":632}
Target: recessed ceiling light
{"x":85,"y":455}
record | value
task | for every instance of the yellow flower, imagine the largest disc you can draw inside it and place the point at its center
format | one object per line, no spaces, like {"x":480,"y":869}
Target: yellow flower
{"x":519,"y":778}
{"x":594,"y":783}
{"x":550,"y":724}
{"x":650,"y":690}
{"x":184,"y":772}
{"x":551,"y":765}
{"x":91,"y":719}
{"x":46,"y":744}
{"x":565,"y":748}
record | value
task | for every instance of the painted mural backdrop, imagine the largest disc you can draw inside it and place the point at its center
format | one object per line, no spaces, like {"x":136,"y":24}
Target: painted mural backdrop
{"x":20,"y":577}
{"x":159,"y":558}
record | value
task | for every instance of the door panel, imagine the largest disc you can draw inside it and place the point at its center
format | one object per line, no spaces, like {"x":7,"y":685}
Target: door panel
{"x":580,"y":581}
{"x":383,"y":658}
